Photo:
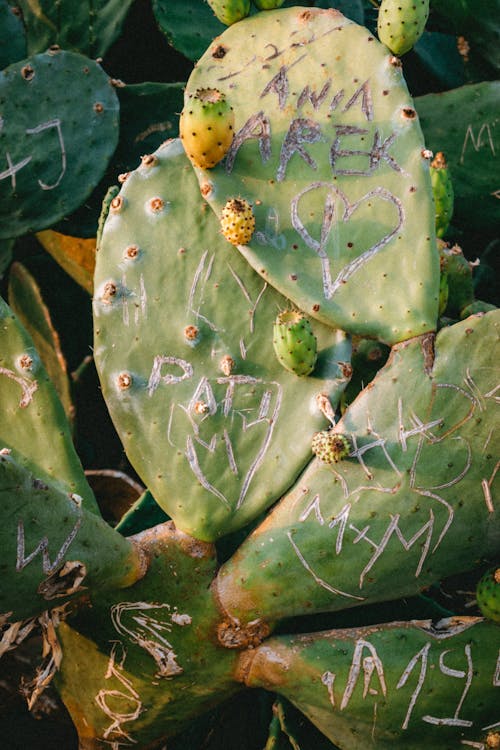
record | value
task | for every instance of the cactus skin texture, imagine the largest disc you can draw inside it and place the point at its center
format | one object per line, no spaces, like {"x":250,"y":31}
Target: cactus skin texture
{"x":401,"y":23}
{"x":418,"y":436}
{"x":330,"y":447}
{"x":330,"y":153}
{"x":442,"y":189}
{"x":403,"y":684}
{"x":202,"y":405}
{"x":488,"y":594}
{"x":294,"y":342}
{"x":230,"y":11}
{"x":268,"y":4}
{"x":206,"y":127}
{"x":237,"y":221}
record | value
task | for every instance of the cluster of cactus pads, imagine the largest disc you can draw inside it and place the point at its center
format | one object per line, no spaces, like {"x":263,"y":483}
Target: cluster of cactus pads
{"x":291,"y":350}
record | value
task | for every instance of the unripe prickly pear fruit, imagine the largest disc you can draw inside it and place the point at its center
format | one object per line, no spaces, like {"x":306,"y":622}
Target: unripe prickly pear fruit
{"x":294,"y":342}
{"x":206,"y":127}
{"x":230,"y":11}
{"x":488,"y":594}
{"x":330,"y":447}
{"x":237,"y":221}
{"x":401,"y":23}
{"x":442,"y":189}
{"x":268,"y":4}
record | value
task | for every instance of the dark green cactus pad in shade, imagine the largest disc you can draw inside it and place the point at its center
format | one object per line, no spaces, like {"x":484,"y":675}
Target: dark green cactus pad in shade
{"x":58,"y":108}
{"x":189,"y":25}
{"x":488,"y":594}
{"x":404,"y":684}
{"x":329,"y":151}
{"x":52,"y":547}
{"x":12,"y":35}
{"x":464,"y":122}
{"x":88,"y":26}
{"x":142,"y":662}
{"x":31,"y":415}
{"x":205,"y":411}
{"x":411,"y":504}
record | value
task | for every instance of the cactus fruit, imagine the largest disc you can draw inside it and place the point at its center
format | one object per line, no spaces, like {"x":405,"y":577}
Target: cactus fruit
{"x":294,"y":342}
{"x":442,"y":189}
{"x":458,"y":272}
{"x":331,"y":155}
{"x":237,"y":221}
{"x":268,"y":4}
{"x":206,"y":127}
{"x":330,"y":447}
{"x":230,"y":11}
{"x":488,"y":594}
{"x":401,"y":23}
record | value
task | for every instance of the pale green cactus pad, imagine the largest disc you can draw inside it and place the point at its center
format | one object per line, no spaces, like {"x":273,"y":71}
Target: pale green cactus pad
{"x":211,"y":421}
{"x":414,"y":501}
{"x":329,"y":150}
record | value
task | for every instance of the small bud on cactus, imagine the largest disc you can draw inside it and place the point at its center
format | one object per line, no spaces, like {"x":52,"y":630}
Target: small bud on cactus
{"x":206,"y":127}
{"x":237,"y":221}
{"x":442,"y":189}
{"x":488,"y":594}
{"x":401,"y":23}
{"x":330,"y":447}
{"x":294,"y":342}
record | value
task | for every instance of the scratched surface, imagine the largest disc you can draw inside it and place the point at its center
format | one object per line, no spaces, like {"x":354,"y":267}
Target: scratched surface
{"x":409,"y":685}
{"x":328,"y":148}
{"x":175,"y":304}
{"x":415,"y":501}
{"x":56,"y":109}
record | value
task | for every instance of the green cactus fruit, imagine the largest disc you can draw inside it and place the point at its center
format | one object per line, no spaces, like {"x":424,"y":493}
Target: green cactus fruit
{"x":230,"y":11}
{"x":401,"y":23}
{"x":423,"y":683}
{"x":442,"y":189}
{"x":268,"y":4}
{"x":294,"y":342}
{"x":488,"y":594}
{"x":330,"y":447}
{"x":416,"y":494}
{"x":140,"y":664}
{"x":57,"y":108}
{"x":329,"y":151}
{"x":478,"y":306}
{"x":237,"y":221}
{"x":444,"y":292}
{"x":184,"y":351}
{"x":458,"y":272}
{"x":206,"y":127}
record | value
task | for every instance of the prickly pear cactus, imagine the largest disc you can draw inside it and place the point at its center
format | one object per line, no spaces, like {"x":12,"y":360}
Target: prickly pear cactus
{"x":405,"y":684}
{"x":330,"y":153}
{"x":414,"y":494}
{"x":204,"y":409}
{"x":401,"y":23}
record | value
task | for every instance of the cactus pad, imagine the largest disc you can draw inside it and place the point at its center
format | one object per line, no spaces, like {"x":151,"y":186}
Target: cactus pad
{"x":329,"y":151}
{"x":416,"y":493}
{"x":202,"y":406}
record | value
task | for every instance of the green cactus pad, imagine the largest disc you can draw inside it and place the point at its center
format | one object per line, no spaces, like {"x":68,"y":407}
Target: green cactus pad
{"x":464,"y":121}
{"x":404,"y":684}
{"x":415,"y":495}
{"x":12,"y":35}
{"x":204,"y":409}
{"x":88,"y":26}
{"x":141,"y":663}
{"x":458,"y":273}
{"x":442,"y":189}
{"x":31,"y":415}
{"x":52,"y":547}
{"x":57,"y":109}
{"x":329,"y":151}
